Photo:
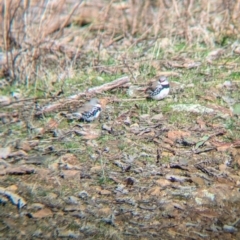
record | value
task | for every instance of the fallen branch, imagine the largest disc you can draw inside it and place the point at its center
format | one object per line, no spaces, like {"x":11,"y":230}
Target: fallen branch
{"x":120,"y":82}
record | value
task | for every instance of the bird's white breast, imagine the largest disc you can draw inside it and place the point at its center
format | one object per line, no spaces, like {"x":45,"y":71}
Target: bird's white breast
{"x":163,"y":93}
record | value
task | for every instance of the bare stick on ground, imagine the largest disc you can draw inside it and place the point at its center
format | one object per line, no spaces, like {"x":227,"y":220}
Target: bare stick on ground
{"x":120,"y":82}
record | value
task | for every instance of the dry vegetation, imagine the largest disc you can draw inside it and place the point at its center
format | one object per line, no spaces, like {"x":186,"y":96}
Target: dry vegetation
{"x":146,"y":169}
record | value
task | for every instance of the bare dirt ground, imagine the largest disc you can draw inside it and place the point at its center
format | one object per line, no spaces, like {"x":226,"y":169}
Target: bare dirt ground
{"x":145,"y":169}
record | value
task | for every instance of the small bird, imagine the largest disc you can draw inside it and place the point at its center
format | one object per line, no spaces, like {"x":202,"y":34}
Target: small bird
{"x":158,"y":89}
{"x":89,"y":111}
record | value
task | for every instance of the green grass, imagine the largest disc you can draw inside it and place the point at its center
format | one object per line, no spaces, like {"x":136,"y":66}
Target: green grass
{"x":181,"y":118}
{"x":72,"y":145}
{"x":180,"y":46}
{"x":235,"y":75}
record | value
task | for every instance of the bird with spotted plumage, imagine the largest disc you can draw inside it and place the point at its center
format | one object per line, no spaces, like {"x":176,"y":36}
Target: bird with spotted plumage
{"x":89,"y":111}
{"x":159,"y":89}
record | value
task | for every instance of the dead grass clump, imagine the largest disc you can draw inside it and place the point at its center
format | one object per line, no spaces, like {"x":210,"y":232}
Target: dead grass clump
{"x":42,"y":36}
{"x":32,"y":38}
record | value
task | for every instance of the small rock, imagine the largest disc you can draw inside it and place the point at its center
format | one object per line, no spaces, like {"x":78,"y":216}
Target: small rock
{"x":5,"y":152}
{"x":83,"y":195}
{"x":227,"y":84}
{"x":4,"y":100}
{"x":127,"y":121}
{"x":194,"y":108}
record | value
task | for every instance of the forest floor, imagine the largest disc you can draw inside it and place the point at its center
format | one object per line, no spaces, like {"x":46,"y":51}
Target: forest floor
{"x":145,"y":169}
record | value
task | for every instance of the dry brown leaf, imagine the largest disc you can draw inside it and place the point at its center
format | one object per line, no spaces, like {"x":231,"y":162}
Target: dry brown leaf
{"x":88,"y":14}
{"x":52,"y":195}
{"x":20,"y":170}
{"x":174,"y":135}
{"x":191,"y":64}
{"x":221,"y":109}
{"x":66,"y":174}
{"x":91,"y":136}
{"x":168,"y":74}
{"x":236,"y":155}
{"x":167,"y":154}
{"x":199,"y":181}
{"x":236,"y":143}
{"x":146,"y":134}
{"x":228,"y":182}
{"x":70,"y":158}
{"x":209,"y":97}
{"x":39,"y":131}
{"x":89,"y":132}
{"x":215,"y":125}
{"x":222,"y":167}
{"x":105,"y":211}
{"x":224,"y":148}
{"x":69,"y":234}
{"x":179,"y":206}
{"x":215,"y":54}
{"x":24,"y":145}
{"x":18,"y":153}
{"x":46,"y":212}
{"x":166,"y":140}
{"x":208,"y":213}
{"x":104,"y":102}
{"x":221,"y":146}
{"x":201,"y":123}
{"x":3,"y":172}
{"x":12,"y":188}
{"x":163,"y":182}
{"x":157,"y":117}
{"x":33,"y":143}
{"x":154,"y":191}
{"x":105,"y":192}
{"x":52,"y":124}
{"x":174,"y":64}
{"x":53,"y":166}
{"x":96,"y":169}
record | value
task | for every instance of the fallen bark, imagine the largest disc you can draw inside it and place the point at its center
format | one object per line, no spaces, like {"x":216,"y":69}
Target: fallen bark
{"x":120,"y":82}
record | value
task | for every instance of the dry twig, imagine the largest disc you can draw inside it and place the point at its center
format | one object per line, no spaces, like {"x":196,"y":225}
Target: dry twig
{"x":120,"y":82}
